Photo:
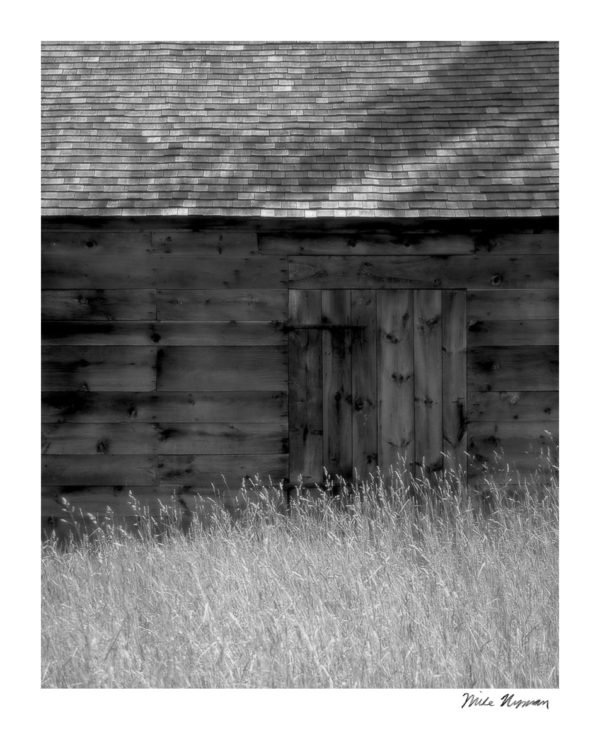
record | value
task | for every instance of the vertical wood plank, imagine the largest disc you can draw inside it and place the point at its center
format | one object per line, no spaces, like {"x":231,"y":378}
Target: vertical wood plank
{"x":305,"y":388}
{"x":428,"y":379}
{"x":364,"y":382}
{"x":337,"y":384}
{"x":396,"y":378}
{"x":454,"y":359}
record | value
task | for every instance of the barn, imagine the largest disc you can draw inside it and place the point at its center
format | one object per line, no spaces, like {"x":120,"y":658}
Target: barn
{"x":275,"y":258}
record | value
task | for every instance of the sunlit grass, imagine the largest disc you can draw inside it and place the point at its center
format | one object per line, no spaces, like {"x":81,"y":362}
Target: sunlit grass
{"x":385,"y":584}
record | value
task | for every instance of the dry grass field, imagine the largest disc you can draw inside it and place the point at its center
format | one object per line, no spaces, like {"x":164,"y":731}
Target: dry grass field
{"x":403,"y":585}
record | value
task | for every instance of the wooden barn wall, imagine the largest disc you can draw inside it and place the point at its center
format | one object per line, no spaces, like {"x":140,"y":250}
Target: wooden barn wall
{"x":165,"y":344}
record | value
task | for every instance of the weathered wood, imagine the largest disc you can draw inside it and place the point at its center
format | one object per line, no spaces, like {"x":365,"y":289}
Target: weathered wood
{"x":357,"y":244}
{"x":95,"y":368}
{"x":184,"y":271}
{"x":167,"y":407}
{"x":480,"y":271}
{"x":99,"y":304}
{"x":221,"y":368}
{"x":542,"y":243}
{"x":513,"y":405}
{"x":404,"y":242}
{"x":111,"y":503}
{"x":97,"y":241}
{"x":512,"y":332}
{"x":222,"y":470}
{"x":305,"y":388}
{"x":206,"y":243}
{"x":364,"y":382}
{"x":454,"y":380}
{"x":99,"y":438}
{"x":428,"y":380}
{"x":530,"y":368}
{"x":98,"y":333}
{"x":110,"y":268}
{"x":526,"y":304}
{"x":215,"y":305}
{"x":164,"y":438}
{"x":99,"y":500}
{"x":222,"y":438}
{"x":337,"y":384}
{"x":396,"y":378}
{"x":524,"y":447}
{"x":98,"y":469}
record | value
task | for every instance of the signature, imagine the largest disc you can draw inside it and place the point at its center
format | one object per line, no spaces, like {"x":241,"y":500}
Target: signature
{"x":507,"y":701}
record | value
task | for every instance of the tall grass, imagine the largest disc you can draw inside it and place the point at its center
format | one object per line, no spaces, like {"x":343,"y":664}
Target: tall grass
{"x":400,"y":584}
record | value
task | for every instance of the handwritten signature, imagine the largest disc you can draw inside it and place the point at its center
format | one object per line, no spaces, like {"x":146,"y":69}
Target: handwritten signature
{"x":507,"y":701}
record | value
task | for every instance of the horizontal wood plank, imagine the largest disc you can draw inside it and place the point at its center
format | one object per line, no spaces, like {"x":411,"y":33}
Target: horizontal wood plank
{"x":544,"y":242}
{"x":98,"y":333}
{"x":82,"y":243}
{"x":524,"y":447}
{"x":205,"y":243}
{"x":512,"y":332}
{"x":404,"y":242}
{"x":112,"y":268}
{"x":357,"y":244}
{"x":513,"y":405}
{"x":98,"y":469}
{"x":111,"y":503}
{"x":164,"y":438}
{"x":118,"y":269}
{"x":96,"y":368}
{"x":531,"y":368}
{"x":222,"y":368}
{"x":99,"y":304}
{"x":526,"y":304}
{"x":167,"y":407}
{"x":99,"y":438}
{"x":221,"y":305}
{"x":480,"y":271}
{"x":222,"y":470}
{"x":184,"y":271}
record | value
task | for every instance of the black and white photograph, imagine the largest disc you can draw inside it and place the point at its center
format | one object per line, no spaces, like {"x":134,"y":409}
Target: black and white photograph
{"x":299,"y":353}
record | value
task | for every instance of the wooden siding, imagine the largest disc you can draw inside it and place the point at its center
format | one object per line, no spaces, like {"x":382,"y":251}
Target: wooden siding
{"x":167,"y":352}
{"x":164,"y":363}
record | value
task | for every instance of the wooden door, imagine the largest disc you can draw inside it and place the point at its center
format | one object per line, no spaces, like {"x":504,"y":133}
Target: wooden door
{"x":374,"y":376}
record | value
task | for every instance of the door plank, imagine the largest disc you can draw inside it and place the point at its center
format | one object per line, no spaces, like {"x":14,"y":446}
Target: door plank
{"x":454,"y":366}
{"x":396,"y":378}
{"x":428,"y":380}
{"x":337,"y":384}
{"x":364,"y":382}
{"x":305,"y":388}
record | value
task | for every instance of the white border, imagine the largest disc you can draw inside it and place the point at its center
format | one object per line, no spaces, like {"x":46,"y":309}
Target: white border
{"x":294,"y":721}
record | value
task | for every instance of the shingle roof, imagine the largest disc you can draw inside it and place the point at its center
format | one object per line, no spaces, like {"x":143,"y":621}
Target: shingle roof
{"x":402,"y":129}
